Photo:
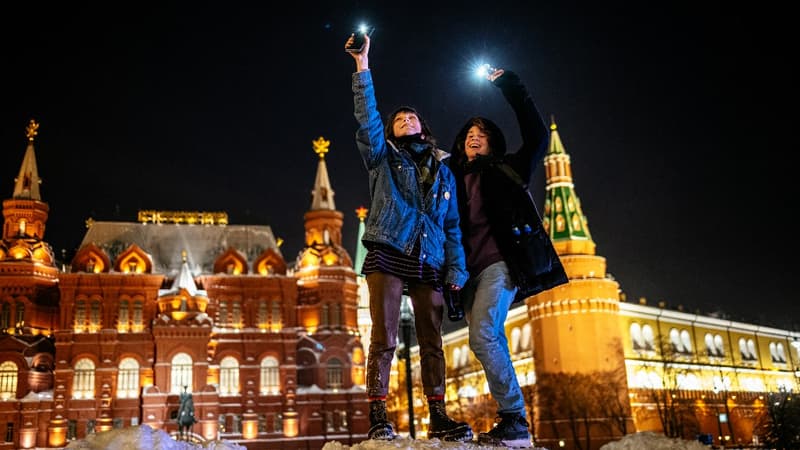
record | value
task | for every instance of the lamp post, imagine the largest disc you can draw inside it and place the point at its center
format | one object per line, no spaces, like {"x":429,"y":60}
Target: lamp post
{"x":406,"y":322}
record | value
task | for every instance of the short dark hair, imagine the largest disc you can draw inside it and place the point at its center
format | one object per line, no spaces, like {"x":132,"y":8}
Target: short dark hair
{"x":388,"y":129}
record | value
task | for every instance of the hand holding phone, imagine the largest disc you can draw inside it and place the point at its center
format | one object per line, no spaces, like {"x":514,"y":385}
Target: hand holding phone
{"x":357,"y":45}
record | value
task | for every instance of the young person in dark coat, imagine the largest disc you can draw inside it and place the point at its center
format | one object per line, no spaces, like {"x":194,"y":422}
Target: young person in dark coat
{"x":413,"y":240}
{"x":491,"y":201}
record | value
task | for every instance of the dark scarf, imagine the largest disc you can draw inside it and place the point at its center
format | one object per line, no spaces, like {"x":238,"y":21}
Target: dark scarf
{"x":478,"y":164}
{"x":421,"y":152}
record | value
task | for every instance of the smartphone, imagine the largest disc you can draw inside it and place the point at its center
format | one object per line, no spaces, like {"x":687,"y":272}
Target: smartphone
{"x":358,"y":39}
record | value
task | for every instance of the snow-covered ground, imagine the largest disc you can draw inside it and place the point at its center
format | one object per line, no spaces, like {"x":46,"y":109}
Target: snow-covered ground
{"x":637,"y":441}
{"x":145,"y":437}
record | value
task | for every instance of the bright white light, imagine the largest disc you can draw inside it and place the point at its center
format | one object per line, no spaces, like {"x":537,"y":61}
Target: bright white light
{"x":363,"y":28}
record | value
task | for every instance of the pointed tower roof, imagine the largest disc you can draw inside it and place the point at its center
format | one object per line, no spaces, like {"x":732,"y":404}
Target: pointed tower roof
{"x":184,"y":280}
{"x":563,"y":217}
{"x":26,"y":185}
{"x":322,"y":195}
{"x":361,"y":251}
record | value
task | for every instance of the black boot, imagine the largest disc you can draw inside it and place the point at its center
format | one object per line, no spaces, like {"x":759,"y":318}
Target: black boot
{"x":380,"y":427}
{"x":445,"y":428}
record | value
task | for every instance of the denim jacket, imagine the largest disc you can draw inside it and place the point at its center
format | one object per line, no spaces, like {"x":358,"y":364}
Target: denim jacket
{"x":399,"y":215}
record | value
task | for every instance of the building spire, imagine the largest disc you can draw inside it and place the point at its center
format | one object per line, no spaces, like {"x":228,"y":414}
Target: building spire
{"x":563,"y":218}
{"x":361,"y":251}
{"x":322,"y":195}
{"x":26,"y":185}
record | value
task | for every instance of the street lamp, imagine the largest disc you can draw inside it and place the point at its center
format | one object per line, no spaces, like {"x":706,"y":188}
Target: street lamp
{"x":406,"y":322}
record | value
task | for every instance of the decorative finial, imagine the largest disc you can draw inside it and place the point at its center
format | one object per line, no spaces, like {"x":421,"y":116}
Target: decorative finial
{"x":183,"y":256}
{"x":321,"y":146}
{"x":361,"y":212}
{"x":552,"y":122}
{"x":32,"y":130}
{"x":279,"y":242}
{"x":89,"y":222}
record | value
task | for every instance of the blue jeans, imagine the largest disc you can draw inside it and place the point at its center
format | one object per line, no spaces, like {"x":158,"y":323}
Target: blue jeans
{"x":487,"y":298}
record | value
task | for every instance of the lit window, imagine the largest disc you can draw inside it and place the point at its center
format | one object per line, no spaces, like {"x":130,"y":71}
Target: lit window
{"x":456,"y":357}
{"x":138,"y":325}
{"x":334,"y":374}
{"x":8,"y":380}
{"x":5,"y":316}
{"x":83,"y":382}
{"x":128,"y":382}
{"x":720,"y":345}
{"x":181,"y":374}
{"x":649,"y":337}
{"x":270,"y":376}
{"x":229,"y":376}
{"x":675,"y":340}
{"x":636,"y":336}
{"x":686,"y":340}
{"x":122,"y":321}
{"x":751,"y":348}
{"x":526,"y":337}
{"x":237,"y":315}
{"x":465,"y":351}
{"x":515,"y":334}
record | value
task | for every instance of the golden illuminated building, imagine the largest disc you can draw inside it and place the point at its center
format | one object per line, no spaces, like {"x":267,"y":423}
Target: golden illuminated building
{"x":269,"y":350}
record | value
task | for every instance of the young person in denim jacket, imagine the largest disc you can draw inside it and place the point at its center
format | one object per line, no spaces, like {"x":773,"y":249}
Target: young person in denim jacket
{"x":413,"y":241}
{"x":489,"y":200}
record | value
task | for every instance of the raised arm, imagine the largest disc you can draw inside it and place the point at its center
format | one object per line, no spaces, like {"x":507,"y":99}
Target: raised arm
{"x":531,"y":125}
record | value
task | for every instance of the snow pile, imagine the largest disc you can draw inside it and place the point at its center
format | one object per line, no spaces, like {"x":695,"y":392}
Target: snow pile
{"x":652,"y":441}
{"x":142,"y":437}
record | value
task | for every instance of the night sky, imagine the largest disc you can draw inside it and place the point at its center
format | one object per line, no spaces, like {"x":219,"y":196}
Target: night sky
{"x":678,"y":121}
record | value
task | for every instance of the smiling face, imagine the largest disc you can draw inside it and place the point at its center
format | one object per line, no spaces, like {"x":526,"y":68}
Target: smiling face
{"x":406,"y":123}
{"x":476,"y":143}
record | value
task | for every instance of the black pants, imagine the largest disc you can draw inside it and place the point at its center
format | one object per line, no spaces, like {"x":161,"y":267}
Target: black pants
{"x":385,"y":297}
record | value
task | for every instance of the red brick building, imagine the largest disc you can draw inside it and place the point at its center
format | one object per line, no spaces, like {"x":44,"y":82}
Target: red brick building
{"x":179,"y":301}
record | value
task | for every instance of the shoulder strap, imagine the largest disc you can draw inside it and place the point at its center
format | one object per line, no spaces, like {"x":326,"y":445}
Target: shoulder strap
{"x":512,"y":174}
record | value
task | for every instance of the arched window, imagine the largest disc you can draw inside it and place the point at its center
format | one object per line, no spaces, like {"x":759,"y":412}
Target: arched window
{"x":526,"y":340}
{"x":128,"y":380}
{"x":5,"y":316}
{"x":20,"y":313}
{"x":336,"y":320}
{"x":751,"y":348}
{"x":80,"y":316}
{"x":675,"y":340}
{"x":720,"y":345}
{"x":323,"y":315}
{"x":83,"y":381}
{"x":229,"y":376}
{"x":270,"y":376}
{"x":223,"y":313}
{"x":123,"y":317}
{"x":781,"y":353}
{"x":261,"y":316}
{"x":138,"y":324}
{"x":236,"y":321}
{"x":637,"y":340}
{"x":515,"y":334}
{"x":457,"y":357}
{"x":181,"y":374}
{"x":334,"y":374}
{"x":465,"y":351}
{"x":649,"y":337}
{"x":94,"y":319}
{"x":276,"y":321}
{"x":686,"y":340}
{"x":8,"y":380}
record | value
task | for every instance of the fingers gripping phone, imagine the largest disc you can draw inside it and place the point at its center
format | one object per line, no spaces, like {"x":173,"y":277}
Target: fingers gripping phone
{"x":358,"y":39}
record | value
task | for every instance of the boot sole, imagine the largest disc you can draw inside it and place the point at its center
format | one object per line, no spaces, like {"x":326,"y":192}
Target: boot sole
{"x":459,"y":434}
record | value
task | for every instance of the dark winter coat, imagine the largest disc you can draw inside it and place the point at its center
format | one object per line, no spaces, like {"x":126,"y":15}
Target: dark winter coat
{"x":539,"y":268}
